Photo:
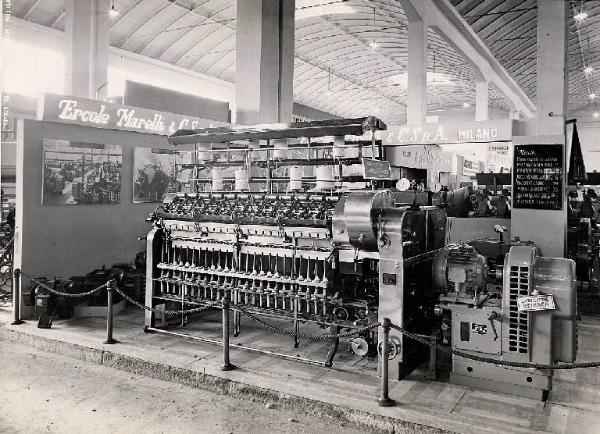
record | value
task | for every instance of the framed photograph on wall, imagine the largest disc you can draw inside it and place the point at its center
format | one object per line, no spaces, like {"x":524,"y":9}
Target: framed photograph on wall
{"x":157,"y":172}
{"x":76,"y":173}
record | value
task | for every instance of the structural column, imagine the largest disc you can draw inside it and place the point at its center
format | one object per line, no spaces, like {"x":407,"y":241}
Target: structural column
{"x":547,"y":228}
{"x":416,"y":108}
{"x":513,"y":112}
{"x":87,"y":30}
{"x":264,"y":61}
{"x":416,"y":73}
{"x":482,"y":99}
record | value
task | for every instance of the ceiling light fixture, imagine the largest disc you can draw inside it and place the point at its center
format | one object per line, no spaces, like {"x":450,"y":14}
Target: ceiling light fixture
{"x":588,"y":70}
{"x":433,"y":79}
{"x":433,"y":76}
{"x":579,"y":17}
{"x":596,"y":115}
{"x":592,"y":95}
{"x":113,"y":12}
{"x":313,"y":8}
{"x":373,"y":44}
{"x":466,"y":105}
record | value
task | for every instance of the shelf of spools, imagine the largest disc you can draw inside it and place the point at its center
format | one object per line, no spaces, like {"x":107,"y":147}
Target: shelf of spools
{"x":323,"y":156}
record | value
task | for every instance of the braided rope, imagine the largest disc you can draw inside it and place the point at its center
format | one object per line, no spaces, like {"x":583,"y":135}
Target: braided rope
{"x":64,"y":294}
{"x":312,"y":337}
{"x":165,"y":312}
{"x":354,"y":332}
{"x":509,"y":363}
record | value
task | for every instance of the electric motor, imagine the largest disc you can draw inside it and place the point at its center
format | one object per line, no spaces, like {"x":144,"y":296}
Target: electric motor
{"x":460,"y":268}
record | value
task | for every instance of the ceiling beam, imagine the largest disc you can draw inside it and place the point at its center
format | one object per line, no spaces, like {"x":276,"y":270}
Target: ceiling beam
{"x":392,"y":98}
{"x":31,"y":9}
{"x":186,"y":12}
{"x":365,"y":45}
{"x":207,"y":19}
{"x":446,"y":21}
{"x":58,"y":18}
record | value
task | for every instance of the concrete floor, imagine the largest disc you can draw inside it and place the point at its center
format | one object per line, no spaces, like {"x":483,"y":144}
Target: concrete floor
{"x":348,"y":392}
{"x":45,"y":392}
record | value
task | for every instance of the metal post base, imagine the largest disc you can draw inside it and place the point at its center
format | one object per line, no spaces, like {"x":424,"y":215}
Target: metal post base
{"x":386,"y":402}
{"x":111,"y":341}
{"x":17,"y":322}
{"x":228,"y":367}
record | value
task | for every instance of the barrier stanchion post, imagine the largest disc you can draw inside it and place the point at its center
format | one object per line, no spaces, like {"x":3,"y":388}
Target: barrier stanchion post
{"x":16,"y":297}
{"x":227,"y":366}
{"x":109,"y":312}
{"x":384,"y":400}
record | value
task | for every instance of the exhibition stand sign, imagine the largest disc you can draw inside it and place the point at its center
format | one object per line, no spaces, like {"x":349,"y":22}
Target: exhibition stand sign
{"x":376,"y":169}
{"x":423,"y":157}
{"x":103,"y":114}
{"x":500,"y":130}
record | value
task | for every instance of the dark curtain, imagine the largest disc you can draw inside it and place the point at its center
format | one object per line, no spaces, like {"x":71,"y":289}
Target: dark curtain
{"x":577,"y":173}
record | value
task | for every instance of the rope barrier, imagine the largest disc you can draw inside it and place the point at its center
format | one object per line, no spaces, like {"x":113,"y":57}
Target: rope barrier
{"x":315,"y":337}
{"x":125,"y":296}
{"x":166,"y":312}
{"x":448,"y":350}
{"x":64,"y":294}
{"x":354,"y":332}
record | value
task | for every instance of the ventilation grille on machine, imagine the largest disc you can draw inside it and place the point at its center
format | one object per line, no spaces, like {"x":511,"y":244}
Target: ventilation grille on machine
{"x":518,"y":335}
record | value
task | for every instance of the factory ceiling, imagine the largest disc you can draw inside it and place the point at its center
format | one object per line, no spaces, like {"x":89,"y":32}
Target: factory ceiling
{"x":351,"y":54}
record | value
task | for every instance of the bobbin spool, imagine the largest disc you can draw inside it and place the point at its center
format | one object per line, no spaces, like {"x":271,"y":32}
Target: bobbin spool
{"x":203,"y":151}
{"x":280,"y":149}
{"x":242,"y":179}
{"x":217,"y":179}
{"x":325,"y":181}
{"x":295,"y":183}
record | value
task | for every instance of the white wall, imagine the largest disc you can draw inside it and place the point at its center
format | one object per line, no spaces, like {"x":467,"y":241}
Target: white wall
{"x":41,"y":67}
{"x":74,"y":239}
{"x":459,"y":114}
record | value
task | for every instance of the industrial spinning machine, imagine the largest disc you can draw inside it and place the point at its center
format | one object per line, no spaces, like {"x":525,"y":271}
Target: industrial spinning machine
{"x":343,"y":259}
{"x":331,"y":258}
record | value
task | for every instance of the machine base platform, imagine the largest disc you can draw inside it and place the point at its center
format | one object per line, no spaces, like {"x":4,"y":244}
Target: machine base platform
{"x":498,"y":386}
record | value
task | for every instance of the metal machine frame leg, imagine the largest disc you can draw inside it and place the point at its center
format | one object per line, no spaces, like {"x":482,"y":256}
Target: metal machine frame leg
{"x":296,"y":323}
{"x":432,"y":370}
{"x":385,"y":400}
{"x":236,"y":315}
{"x":333,"y":346}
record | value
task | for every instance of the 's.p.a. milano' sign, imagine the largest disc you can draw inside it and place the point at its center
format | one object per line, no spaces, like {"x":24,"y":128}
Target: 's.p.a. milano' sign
{"x":102,"y":114}
{"x":465,"y":132}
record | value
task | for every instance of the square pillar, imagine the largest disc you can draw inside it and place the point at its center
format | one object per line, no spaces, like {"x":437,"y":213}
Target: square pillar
{"x":482,"y":100}
{"x":87,"y":32}
{"x":548,"y":228}
{"x":513,"y":112}
{"x":416,"y":73}
{"x":416,"y":95}
{"x":264,"y":61}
